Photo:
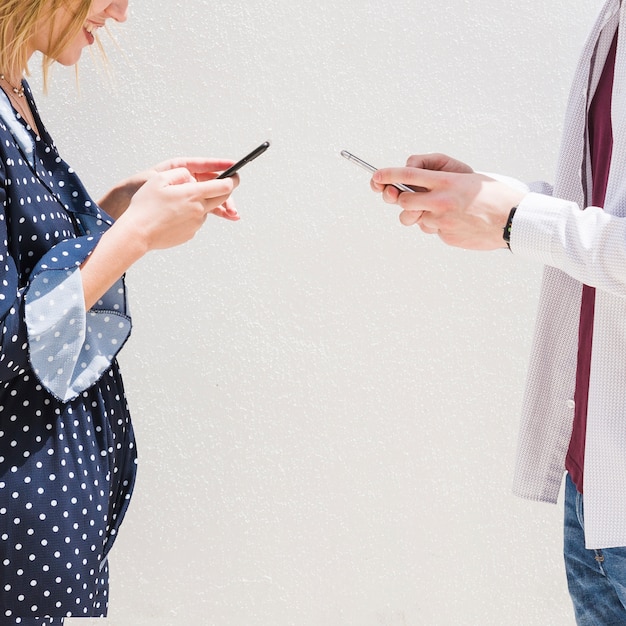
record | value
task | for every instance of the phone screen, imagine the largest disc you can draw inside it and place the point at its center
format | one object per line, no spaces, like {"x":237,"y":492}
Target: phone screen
{"x":249,"y":157}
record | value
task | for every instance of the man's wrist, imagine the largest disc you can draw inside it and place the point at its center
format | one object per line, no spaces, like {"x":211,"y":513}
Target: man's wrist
{"x":506,"y":232}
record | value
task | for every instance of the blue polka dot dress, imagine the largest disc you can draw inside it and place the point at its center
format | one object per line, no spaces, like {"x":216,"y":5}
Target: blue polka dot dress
{"x":67,"y":451}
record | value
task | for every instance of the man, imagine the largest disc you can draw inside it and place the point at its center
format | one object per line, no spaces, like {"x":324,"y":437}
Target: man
{"x":574,"y":415}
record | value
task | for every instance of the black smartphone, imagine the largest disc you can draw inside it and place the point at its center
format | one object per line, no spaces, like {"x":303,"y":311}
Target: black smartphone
{"x":249,"y":157}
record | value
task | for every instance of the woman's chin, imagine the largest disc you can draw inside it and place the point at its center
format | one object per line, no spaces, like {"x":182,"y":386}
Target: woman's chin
{"x":69,"y":57}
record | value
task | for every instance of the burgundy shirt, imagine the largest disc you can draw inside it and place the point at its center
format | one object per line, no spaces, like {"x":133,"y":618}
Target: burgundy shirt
{"x":601,"y":148}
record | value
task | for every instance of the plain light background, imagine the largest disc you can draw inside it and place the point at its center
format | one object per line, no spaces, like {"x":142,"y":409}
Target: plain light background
{"x":327,"y":403}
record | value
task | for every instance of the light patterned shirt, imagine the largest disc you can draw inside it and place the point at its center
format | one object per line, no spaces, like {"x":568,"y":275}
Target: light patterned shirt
{"x":579,"y":245}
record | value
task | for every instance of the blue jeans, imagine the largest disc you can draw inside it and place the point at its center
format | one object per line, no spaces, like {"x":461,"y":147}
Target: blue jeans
{"x":596,"y":578}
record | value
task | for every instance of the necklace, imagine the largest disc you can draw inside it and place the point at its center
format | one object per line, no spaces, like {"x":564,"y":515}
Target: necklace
{"x":18,"y":91}
{"x":20,"y":103}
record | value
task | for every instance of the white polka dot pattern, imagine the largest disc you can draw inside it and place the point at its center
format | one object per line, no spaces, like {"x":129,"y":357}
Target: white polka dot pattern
{"x":69,"y":350}
{"x":67,"y":451}
{"x":580,"y":247}
{"x":20,"y":133}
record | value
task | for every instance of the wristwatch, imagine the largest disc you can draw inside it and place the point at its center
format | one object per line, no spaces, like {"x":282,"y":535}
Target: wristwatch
{"x":506,"y":233}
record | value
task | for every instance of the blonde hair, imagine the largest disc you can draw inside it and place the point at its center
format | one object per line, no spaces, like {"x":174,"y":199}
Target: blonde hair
{"x":18,"y":21}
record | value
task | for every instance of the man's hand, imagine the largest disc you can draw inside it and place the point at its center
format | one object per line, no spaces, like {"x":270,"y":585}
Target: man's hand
{"x":464,"y":209}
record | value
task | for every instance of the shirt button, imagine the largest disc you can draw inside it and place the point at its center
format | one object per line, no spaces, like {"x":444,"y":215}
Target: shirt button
{"x":571,"y":404}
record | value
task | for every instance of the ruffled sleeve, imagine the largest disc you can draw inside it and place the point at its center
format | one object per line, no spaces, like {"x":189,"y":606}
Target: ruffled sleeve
{"x":44,"y":325}
{"x":71,"y":348}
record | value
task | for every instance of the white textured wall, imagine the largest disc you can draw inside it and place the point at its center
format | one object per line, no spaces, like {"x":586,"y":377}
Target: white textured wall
{"x":327,"y":403}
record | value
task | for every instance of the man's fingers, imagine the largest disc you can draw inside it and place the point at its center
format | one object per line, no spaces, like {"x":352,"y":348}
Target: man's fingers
{"x":414,"y":177}
{"x":438,"y":162}
{"x":433,"y":161}
{"x":410,"y":218}
{"x":390,"y":194}
{"x":413,"y":218}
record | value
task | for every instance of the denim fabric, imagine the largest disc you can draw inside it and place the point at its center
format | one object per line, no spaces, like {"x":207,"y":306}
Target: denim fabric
{"x":596,"y":578}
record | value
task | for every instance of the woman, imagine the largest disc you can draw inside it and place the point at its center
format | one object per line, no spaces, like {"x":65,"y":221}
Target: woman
{"x":67,"y":453}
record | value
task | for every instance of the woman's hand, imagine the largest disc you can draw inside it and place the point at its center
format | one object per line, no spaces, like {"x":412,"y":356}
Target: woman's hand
{"x":167,"y":210}
{"x":172,"y":206}
{"x":117,"y":199}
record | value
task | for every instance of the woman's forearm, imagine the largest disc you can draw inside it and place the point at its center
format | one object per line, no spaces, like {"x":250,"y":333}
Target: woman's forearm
{"x":116,"y":200}
{"x":116,"y":251}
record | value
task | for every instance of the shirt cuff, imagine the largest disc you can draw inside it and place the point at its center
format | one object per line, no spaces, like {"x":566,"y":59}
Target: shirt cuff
{"x":539,"y":222}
